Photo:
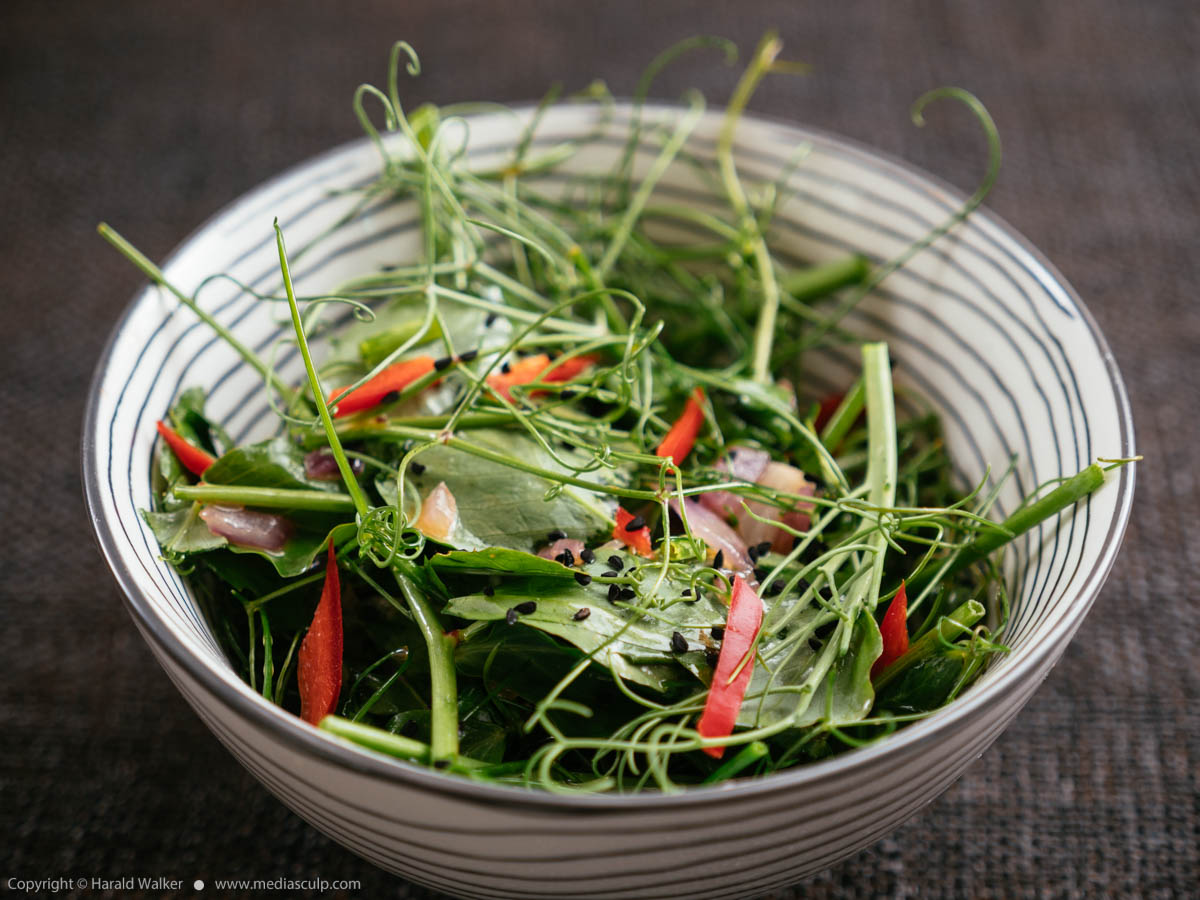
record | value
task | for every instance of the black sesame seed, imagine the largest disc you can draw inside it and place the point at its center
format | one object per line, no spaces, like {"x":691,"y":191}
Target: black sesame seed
{"x":567,"y":558}
{"x":441,"y":763}
{"x":567,"y":394}
{"x":581,"y":614}
{"x":628,"y":594}
{"x":389,"y":397}
{"x":556,"y":535}
{"x":609,"y":574}
{"x":468,"y":356}
{"x":687,"y":592}
{"x":711,"y":657}
{"x":615,"y":562}
{"x":679,"y":643}
{"x":587,"y":555}
{"x":489,"y":591}
{"x":511,"y":617}
{"x":583,"y":578}
{"x":490,"y":320}
{"x":505,"y":367}
{"x":637,"y":523}
{"x":718,"y":632}
{"x":526,"y":607}
{"x":802,"y":585}
{"x":443,"y":363}
{"x":416,"y":468}
{"x":764,"y":548}
{"x":614,"y":593}
{"x":760,"y":574}
{"x":719,"y":560}
{"x":752,"y":552}
{"x":773,"y":588}
{"x":390,"y":267}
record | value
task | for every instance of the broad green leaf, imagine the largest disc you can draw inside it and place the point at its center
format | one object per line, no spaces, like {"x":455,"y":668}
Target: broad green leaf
{"x":274,"y":463}
{"x":505,"y":507}
{"x":498,"y":561}
{"x":839,"y":686}
{"x":633,"y":643}
{"x":182,"y":531}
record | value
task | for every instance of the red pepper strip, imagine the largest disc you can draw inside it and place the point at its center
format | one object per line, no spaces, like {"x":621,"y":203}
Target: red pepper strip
{"x":570,"y":367}
{"x":828,"y":407}
{"x":682,"y":436}
{"x":394,"y":378}
{"x":320,"y":660}
{"x":725,"y":696}
{"x":521,"y":372}
{"x":192,"y":457}
{"x":533,"y":368}
{"x":637,"y":540}
{"x":894,"y":629}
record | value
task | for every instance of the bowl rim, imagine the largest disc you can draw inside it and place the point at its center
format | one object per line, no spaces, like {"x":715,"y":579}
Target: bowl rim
{"x":289,"y":729}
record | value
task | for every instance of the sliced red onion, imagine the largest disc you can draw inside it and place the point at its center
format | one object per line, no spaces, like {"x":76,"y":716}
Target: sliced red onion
{"x":713,"y":530}
{"x":321,"y":465}
{"x":742,"y":464}
{"x":780,"y":477}
{"x":248,"y":527}
{"x":552,"y":551}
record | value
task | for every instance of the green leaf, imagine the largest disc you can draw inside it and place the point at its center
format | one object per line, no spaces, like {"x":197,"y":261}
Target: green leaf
{"x":504,"y":507}
{"x":633,"y":643}
{"x":839,"y":685}
{"x":276,"y":463}
{"x":182,"y":531}
{"x":498,"y":561}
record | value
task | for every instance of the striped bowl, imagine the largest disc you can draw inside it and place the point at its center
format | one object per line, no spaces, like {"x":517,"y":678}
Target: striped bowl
{"x":981,"y":327}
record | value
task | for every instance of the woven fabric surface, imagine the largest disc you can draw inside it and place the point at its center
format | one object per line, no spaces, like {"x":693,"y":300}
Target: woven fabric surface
{"x":152,"y":116}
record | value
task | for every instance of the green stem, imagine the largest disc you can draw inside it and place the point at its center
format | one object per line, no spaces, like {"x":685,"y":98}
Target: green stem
{"x":844,"y":417}
{"x":1066,"y":494}
{"x":385,"y":742}
{"x":356,"y":493}
{"x":156,"y":276}
{"x":816,"y":282}
{"x":881,"y":450}
{"x":948,"y":628}
{"x":267,"y":498}
{"x":443,"y":704}
{"x":747,"y":756}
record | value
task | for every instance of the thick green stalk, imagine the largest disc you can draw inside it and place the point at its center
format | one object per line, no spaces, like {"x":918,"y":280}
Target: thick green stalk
{"x":881,"y":451}
{"x":1066,"y":494}
{"x":816,"y":282}
{"x":267,"y":498}
{"x":385,"y":742}
{"x":844,"y":417}
{"x":443,"y":702}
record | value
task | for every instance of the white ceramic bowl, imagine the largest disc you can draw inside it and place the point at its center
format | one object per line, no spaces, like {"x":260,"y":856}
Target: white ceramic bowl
{"x":980,"y":326}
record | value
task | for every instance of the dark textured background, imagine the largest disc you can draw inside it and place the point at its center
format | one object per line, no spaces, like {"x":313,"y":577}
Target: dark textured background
{"x":154,"y":115}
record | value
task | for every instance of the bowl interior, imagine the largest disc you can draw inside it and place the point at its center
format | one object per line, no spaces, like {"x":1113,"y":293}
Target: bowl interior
{"x":982,"y":330}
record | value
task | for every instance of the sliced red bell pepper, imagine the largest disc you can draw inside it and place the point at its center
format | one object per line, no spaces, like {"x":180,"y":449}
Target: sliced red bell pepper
{"x":894,"y":629}
{"x":395,"y":377}
{"x":189,"y":455}
{"x":682,"y":437}
{"x":637,"y":539}
{"x":727,"y":690}
{"x":320,"y":660}
{"x":571,"y":367}
{"x":533,"y":368}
